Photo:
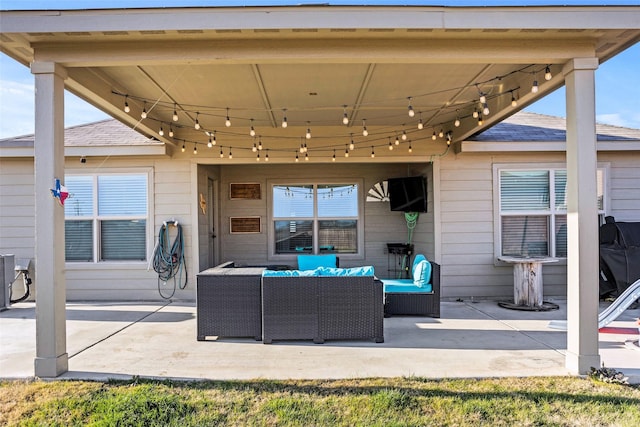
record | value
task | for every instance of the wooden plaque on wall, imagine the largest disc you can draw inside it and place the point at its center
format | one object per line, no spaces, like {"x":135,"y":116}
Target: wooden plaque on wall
{"x":247,"y":191}
{"x":245,"y":224}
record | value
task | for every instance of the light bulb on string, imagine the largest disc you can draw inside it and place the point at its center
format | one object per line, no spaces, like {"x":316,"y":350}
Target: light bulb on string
{"x":221,"y":153}
{"x":175,"y":113}
{"x":449,"y":138}
{"x":390,"y":144}
{"x":514,"y":102}
{"x":404,"y":136}
{"x":306,"y":157}
{"x":214,"y":141}
{"x":397,"y":141}
{"x":161,"y":131}
{"x":259,"y":143}
{"x":266,"y":157}
{"x":534,"y":87}
{"x":547,"y":74}
{"x":457,"y":122}
{"x":441,"y":133}
{"x":126,"y":105}
{"x":346,"y":151}
{"x":308,"y":134}
{"x":485,"y":109}
{"x":475,"y":113}
{"x":306,"y":149}
{"x":284,"y":118}
{"x":333,"y":159}
{"x":195,"y":148}
{"x":410,"y":109}
{"x":254,"y":148}
{"x":410,"y":147}
{"x":352,"y":145}
{"x":434,"y":136}
{"x":373,"y":153}
{"x":297,"y":158}
{"x":210,"y":143}
{"x":483,"y":98}
{"x":480,"y":120}
{"x":420,"y":123}
{"x":345,"y":116}
{"x":227,"y":122}
{"x":183,"y":147}
{"x":230,"y":153}
{"x":258,"y":157}
{"x":197,"y":123}
{"x":171,"y":131}
{"x":144,"y":111}
{"x":365,"y":132}
{"x":252,"y":131}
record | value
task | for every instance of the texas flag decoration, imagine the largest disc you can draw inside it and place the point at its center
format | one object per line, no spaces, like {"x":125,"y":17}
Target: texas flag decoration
{"x":60,"y":192}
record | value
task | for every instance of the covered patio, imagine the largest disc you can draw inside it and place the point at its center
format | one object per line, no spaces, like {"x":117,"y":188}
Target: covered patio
{"x":298,"y":75}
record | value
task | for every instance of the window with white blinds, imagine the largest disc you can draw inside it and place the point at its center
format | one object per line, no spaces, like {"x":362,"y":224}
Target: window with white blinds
{"x":315,"y":218}
{"x":533,"y":211}
{"x":106,"y":217}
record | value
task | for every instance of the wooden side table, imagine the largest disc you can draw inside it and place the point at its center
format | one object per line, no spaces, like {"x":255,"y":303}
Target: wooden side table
{"x":527,"y":279}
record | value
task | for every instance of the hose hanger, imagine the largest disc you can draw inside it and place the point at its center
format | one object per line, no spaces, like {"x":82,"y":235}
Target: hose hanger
{"x":168,"y":259}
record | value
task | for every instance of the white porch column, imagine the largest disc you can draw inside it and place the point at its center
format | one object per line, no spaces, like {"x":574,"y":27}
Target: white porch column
{"x":51,"y":334}
{"x":582,"y":214}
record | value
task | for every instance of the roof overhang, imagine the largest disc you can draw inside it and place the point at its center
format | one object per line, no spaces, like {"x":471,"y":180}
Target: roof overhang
{"x":313,"y":65}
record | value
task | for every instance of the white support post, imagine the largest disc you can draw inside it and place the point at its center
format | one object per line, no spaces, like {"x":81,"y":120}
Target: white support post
{"x":582,"y":217}
{"x":51,"y":359}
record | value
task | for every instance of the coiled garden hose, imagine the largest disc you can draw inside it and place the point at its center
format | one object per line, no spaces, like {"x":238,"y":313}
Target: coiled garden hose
{"x":168,"y":259}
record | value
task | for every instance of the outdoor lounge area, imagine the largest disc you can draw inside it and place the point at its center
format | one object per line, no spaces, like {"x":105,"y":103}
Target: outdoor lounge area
{"x":470,"y":339}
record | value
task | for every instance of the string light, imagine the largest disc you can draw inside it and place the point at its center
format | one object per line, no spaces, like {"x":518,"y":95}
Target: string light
{"x":333,"y":159}
{"x":483,"y":98}
{"x":352,"y":145}
{"x":448,"y":138}
{"x":514,"y":102}
{"x":480,"y":121}
{"x":345,"y":117}
{"x":255,"y":147}
{"x":214,"y":141}
{"x":144,"y":111}
{"x":259,"y":143}
{"x":183,"y":147}
{"x":126,"y":104}
{"x":420,"y":123}
{"x":534,"y":87}
{"x":441,"y":133}
{"x":346,"y":151}
{"x":266,"y":158}
{"x":227,"y":122}
{"x":308,"y":134}
{"x":258,"y":157}
{"x":404,"y":136}
{"x":373,"y":153}
{"x":397,"y":141}
{"x":475,"y":113}
{"x":390,"y":144}
{"x":365,"y":132}
{"x":175,"y":113}
{"x":221,"y":153}
{"x":284,"y":118}
{"x":161,"y":131}
{"x":547,"y":74}
{"x":306,"y":157}
{"x":485,"y":109}
{"x":457,"y":122}
{"x":433,"y":137}
{"x":171,"y":131}
{"x":410,"y":148}
{"x":195,"y":148}
{"x":297,"y":158}
{"x":410,"y":109}
{"x":252,"y":131}
{"x":210,"y":143}
{"x":197,"y":123}
{"x":230,"y":153}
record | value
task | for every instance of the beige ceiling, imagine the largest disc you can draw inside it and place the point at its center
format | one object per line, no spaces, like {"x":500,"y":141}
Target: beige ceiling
{"x":313,"y":64}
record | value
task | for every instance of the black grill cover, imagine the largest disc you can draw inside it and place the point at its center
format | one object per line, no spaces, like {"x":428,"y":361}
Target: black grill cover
{"x":619,"y":256}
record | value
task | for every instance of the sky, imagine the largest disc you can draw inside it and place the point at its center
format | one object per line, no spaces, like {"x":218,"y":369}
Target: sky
{"x":617,"y":87}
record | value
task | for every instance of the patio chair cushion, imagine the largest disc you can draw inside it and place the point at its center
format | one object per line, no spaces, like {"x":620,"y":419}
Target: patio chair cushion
{"x":289,"y":273}
{"x":354,"y":271}
{"x":311,"y":262}
{"x":401,"y":286}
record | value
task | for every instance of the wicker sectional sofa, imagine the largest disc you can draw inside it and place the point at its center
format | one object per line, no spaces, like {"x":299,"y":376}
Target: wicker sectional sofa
{"x":322,"y":308}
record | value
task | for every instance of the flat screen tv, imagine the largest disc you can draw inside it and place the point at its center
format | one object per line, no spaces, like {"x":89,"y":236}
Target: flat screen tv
{"x":408,"y":194}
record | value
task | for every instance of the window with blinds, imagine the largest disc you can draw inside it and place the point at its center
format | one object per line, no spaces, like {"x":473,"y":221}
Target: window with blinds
{"x":533,"y":211}
{"x":315,"y":218}
{"x":106,"y":217}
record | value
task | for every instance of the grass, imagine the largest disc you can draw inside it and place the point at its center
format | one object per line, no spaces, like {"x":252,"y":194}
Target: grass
{"x":556,"y":401}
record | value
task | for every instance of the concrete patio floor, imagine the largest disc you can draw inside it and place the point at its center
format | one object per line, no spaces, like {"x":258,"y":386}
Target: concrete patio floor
{"x":471,"y":339}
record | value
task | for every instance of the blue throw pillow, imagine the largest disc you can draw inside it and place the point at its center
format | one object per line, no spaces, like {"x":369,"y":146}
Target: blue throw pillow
{"x":311,"y":262}
{"x":289,"y":273}
{"x":422,"y":273}
{"x":354,"y":271}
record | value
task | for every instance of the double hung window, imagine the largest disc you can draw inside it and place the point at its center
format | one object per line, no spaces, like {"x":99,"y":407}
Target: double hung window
{"x":533,"y":211}
{"x":315,"y":218}
{"x":106,"y":217}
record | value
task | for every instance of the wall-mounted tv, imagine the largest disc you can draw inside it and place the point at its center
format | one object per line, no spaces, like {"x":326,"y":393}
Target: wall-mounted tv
{"x":408,"y":194}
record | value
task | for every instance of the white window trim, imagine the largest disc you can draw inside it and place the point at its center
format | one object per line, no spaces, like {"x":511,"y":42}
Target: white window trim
{"x":150,"y":236}
{"x":359,"y":255}
{"x":497,"y":230}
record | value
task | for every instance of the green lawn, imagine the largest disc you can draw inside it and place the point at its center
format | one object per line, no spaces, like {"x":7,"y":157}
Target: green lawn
{"x":555,"y":401}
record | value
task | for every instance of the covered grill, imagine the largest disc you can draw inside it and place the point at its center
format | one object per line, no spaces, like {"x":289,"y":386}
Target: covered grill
{"x":619,"y":256}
